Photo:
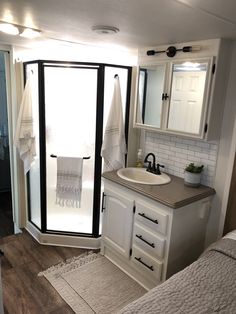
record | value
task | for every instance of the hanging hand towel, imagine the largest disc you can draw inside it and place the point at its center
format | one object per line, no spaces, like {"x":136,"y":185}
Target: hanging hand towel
{"x":114,"y":145}
{"x":24,"y":136}
{"x":69,"y":181}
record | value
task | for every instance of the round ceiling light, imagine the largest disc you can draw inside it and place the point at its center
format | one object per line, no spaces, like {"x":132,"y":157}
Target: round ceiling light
{"x":30,"y":33}
{"x":105,"y":30}
{"x":9,"y":29}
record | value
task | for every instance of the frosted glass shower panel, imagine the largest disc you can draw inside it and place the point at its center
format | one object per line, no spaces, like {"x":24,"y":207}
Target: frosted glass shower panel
{"x":34,"y":173}
{"x":70,"y":116}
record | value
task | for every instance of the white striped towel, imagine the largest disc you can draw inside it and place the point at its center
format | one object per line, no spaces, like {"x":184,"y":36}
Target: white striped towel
{"x":114,"y":145}
{"x":24,"y":138}
{"x":69,"y":181}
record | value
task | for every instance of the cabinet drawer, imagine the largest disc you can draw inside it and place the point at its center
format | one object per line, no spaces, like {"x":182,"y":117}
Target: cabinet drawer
{"x":148,"y":242}
{"x":145,"y":264}
{"x":150,"y":217}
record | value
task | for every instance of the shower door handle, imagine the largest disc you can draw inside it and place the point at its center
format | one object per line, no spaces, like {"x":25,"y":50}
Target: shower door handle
{"x":103,"y":201}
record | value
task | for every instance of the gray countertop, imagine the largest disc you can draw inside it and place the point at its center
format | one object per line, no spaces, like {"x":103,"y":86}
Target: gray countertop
{"x":174,"y":194}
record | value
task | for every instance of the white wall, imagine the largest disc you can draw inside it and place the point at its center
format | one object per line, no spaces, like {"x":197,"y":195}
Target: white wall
{"x":225,"y":156}
{"x":62,"y":51}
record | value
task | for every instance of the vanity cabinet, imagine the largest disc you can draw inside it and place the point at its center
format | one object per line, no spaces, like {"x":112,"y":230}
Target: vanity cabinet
{"x":148,"y":240}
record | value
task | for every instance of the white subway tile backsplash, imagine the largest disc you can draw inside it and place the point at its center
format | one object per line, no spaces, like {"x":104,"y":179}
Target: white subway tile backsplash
{"x":163,"y":146}
{"x":212,"y":157}
{"x":182,"y":156}
{"x":178,"y":140}
{"x":210,"y":163}
{"x":213,"y":152}
{"x":176,"y":149}
{"x":188,"y":142}
{"x":190,"y":153}
{"x":162,"y":156}
{"x":213,"y":146}
{"x":185,"y":151}
{"x":203,"y":144}
{"x":195,"y":148}
{"x":193,"y":159}
{"x":181,"y":145}
{"x":175,"y":153}
{"x":173,"y":157}
{"x":201,"y":155}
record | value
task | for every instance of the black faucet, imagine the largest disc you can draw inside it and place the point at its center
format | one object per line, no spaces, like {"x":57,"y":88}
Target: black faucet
{"x":152,"y":166}
{"x":158,"y":168}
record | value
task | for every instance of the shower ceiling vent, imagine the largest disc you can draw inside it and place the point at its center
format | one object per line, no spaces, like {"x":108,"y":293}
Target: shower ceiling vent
{"x":105,"y":30}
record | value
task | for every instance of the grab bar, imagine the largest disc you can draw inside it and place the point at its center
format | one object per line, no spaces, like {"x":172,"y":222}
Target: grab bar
{"x":55,"y":156}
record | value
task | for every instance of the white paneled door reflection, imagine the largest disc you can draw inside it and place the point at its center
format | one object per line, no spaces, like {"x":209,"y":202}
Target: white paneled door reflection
{"x":70,"y":117}
{"x":186,"y":101}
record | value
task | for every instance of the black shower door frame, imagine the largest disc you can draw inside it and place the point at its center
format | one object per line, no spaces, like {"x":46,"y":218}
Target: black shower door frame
{"x":100,"y":67}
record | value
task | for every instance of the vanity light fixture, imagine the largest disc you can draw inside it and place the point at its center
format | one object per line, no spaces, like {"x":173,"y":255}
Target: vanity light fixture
{"x":9,"y":29}
{"x":105,"y":30}
{"x":171,"y":51}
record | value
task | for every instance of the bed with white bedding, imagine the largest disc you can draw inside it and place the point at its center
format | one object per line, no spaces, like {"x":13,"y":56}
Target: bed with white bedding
{"x":206,"y":286}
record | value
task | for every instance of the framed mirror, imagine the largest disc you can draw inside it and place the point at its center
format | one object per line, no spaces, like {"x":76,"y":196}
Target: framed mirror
{"x":188,"y":93}
{"x":172,"y":97}
{"x":149,"y":99}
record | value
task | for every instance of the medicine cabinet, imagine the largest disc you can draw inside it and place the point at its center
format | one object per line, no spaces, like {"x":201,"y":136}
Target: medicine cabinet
{"x":172,"y":97}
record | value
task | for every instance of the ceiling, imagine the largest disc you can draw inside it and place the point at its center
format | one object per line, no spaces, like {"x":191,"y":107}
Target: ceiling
{"x":142,"y":23}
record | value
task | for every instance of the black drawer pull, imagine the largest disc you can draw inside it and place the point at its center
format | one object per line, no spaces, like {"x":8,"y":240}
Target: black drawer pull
{"x":146,"y":265}
{"x":152,"y":220}
{"x":142,"y":239}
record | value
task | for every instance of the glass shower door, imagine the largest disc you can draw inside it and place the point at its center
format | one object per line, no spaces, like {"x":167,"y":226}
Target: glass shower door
{"x":70,"y":129}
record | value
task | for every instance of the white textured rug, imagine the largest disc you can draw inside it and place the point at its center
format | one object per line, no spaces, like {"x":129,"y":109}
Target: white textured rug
{"x":92,"y":284}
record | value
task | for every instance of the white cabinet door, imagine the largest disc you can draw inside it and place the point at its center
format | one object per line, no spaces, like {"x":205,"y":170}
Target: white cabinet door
{"x":117,"y":221}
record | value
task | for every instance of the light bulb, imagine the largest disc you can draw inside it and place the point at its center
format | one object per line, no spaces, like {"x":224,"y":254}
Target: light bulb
{"x":30,"y":33}
{"x":9,"y":29}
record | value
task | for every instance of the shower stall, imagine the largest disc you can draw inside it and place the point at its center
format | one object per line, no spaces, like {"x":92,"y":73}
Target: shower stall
{"x":70,"y":103}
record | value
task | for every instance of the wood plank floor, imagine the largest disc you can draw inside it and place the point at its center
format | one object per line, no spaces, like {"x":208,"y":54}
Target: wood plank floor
{"x":23,"y":291}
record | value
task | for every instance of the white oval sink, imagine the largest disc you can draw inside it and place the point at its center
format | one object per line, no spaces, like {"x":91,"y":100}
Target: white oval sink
{"x":140,"y":175}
